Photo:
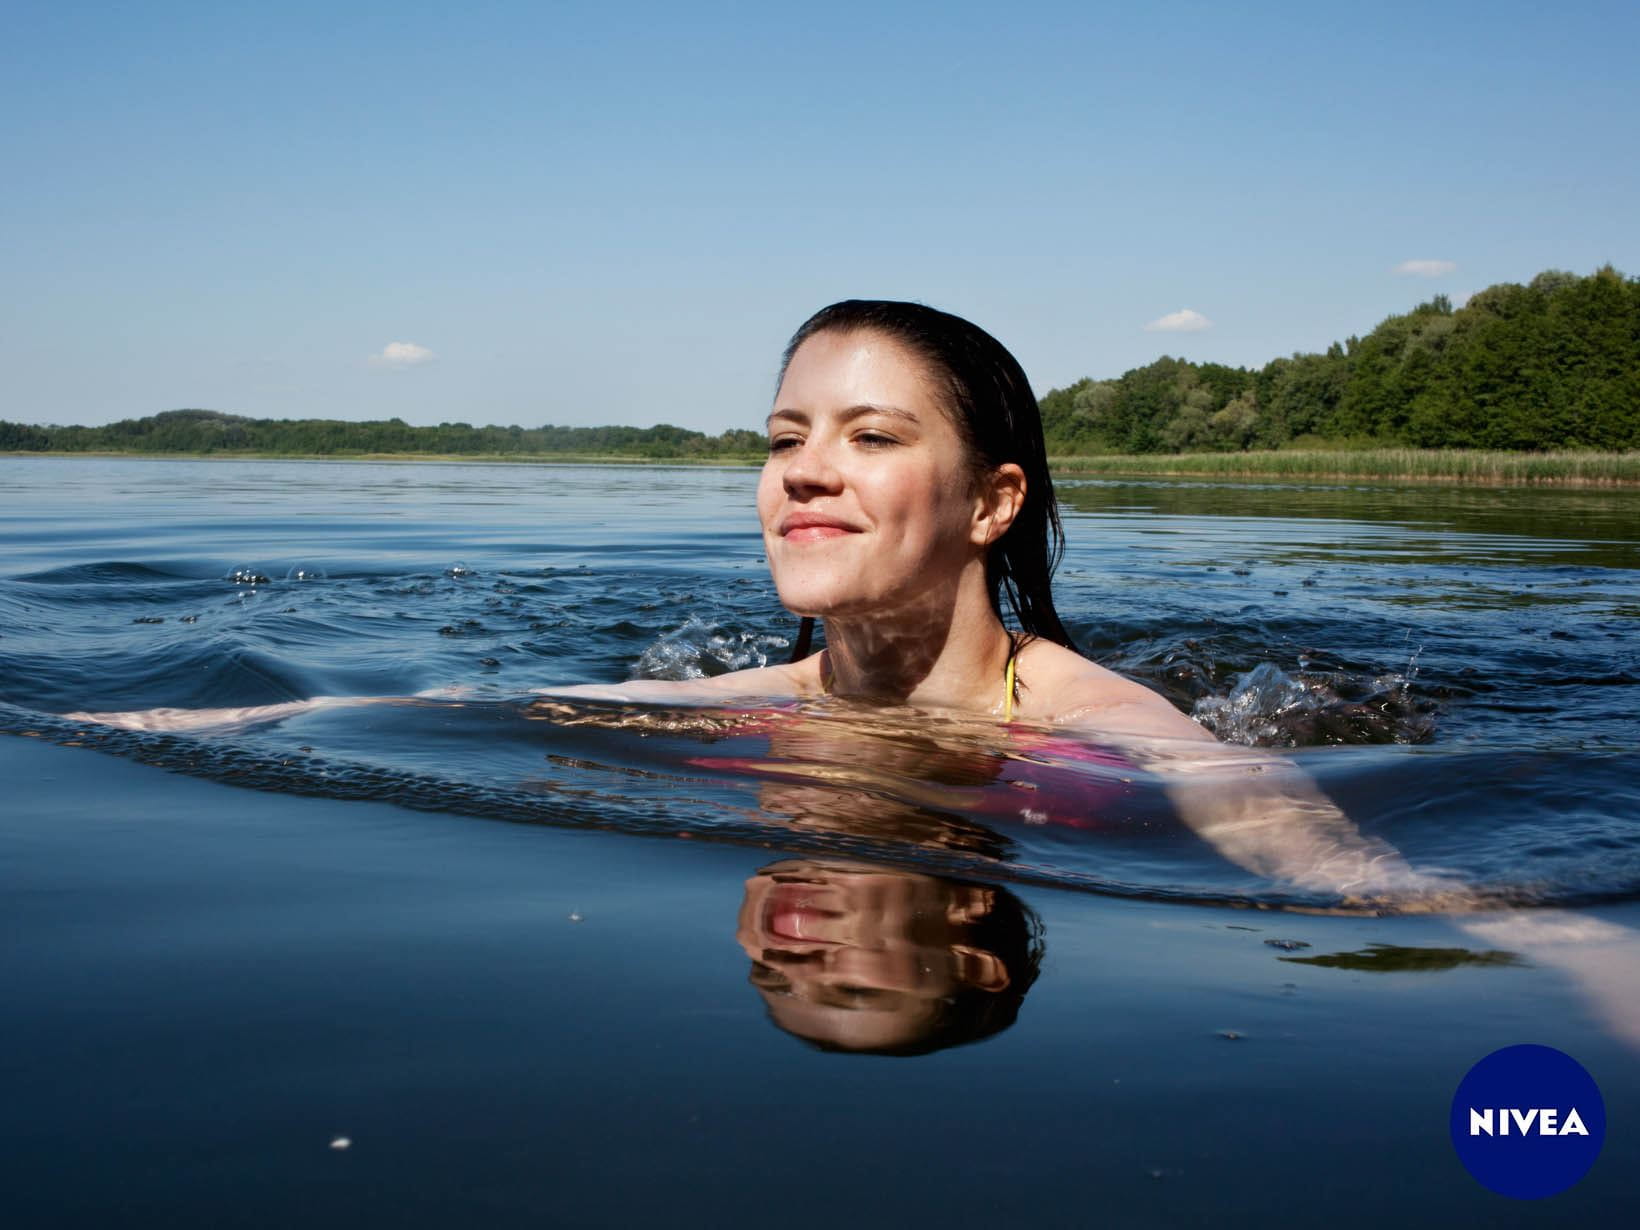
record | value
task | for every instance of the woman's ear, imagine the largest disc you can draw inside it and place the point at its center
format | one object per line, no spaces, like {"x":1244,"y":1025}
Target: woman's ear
{"x":1001,"y":496}
{"x":978,"y":968}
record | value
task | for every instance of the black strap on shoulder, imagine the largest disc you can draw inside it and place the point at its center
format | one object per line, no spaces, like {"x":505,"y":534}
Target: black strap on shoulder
{"x":805,"y":638}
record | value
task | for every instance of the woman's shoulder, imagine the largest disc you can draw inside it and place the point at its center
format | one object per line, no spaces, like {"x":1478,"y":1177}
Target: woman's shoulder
{"x":1062,"y":687}
{"x":785,"y":679}
{"x":1054,"y":679}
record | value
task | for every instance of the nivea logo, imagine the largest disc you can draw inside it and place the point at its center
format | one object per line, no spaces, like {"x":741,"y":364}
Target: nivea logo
{"x":1543,"y":1117}
{"x":1528,"y":1121}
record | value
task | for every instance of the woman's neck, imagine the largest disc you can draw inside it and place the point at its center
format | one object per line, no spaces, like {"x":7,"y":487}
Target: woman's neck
{"x":947,"y":649}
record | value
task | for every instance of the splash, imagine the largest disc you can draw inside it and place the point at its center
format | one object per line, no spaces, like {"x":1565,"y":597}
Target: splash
{"x":698,"y":650}
{"x":1267,"y":707}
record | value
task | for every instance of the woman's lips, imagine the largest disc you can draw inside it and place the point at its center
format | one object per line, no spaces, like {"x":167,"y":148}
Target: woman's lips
{"x":791,"y":914}
{"x":815,"y":533}
{"x":813,"y":527}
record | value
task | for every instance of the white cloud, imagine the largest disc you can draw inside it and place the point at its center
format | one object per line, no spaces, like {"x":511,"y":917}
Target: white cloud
{"x":403,"y":354}
{"x":1426,"y":269}
{"x":1183,"y":321}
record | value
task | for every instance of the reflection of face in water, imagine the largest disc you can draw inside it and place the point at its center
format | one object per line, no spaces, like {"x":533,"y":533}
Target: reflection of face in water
{"x":857,"y":957}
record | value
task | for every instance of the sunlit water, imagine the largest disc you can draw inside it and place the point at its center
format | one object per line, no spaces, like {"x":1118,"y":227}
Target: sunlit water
{"x":1456,"y":667}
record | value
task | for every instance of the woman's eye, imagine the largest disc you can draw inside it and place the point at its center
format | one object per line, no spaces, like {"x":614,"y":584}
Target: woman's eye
{"x":872,"y":440}
{"x":781,"y":443}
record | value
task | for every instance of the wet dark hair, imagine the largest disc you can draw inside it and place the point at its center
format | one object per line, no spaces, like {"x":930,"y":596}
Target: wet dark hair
{"x":991,"y":404}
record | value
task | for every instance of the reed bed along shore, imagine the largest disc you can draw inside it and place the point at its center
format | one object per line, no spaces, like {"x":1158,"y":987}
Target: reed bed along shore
{"x":1405,"y":464}
{"x":1427,"y":465}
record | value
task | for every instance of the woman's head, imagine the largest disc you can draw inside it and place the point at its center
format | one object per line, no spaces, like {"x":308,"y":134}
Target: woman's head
{"x":984,"y":395}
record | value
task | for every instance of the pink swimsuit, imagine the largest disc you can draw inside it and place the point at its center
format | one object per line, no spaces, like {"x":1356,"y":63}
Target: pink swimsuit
{"x":1036,"y":779}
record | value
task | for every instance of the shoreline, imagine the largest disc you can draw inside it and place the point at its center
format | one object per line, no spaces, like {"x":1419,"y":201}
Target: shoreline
{"x":1474,"y":467}
{"x":551,"y":459}
{"x":1478,"y":467}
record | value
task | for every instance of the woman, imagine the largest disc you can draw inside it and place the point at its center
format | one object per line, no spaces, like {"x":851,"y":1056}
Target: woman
{"x":905,"y":500}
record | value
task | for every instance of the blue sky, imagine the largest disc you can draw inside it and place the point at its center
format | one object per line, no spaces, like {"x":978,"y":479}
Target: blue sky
{"x":578,"y":213}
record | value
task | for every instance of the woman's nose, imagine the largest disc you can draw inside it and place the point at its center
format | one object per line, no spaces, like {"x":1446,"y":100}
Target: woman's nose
{"x":811,"y":469}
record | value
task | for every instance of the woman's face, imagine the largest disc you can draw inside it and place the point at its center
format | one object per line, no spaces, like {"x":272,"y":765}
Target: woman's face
{"x":867,"y":501}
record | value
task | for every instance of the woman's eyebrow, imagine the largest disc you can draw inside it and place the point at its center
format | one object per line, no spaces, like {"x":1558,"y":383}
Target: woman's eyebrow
{"x":848,"y":415}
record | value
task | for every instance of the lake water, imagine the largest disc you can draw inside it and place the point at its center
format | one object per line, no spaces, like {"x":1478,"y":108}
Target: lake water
{"x":317,"y":929}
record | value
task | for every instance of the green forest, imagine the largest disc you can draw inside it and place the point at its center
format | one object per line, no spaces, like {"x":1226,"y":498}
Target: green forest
{"x":1553,"y":364}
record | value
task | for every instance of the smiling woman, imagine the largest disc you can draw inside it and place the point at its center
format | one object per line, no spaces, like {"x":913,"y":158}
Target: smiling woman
{"x":906,"y":502}
{"x":883,"y":514}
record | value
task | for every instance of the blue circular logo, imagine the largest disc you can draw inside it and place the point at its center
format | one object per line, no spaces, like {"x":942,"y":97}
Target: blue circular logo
{"x":1528,"y":1121}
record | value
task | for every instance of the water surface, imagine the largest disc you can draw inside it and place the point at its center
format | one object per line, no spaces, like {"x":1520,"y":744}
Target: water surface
{"x":425,"y":963}
{"x":1458,"y":667}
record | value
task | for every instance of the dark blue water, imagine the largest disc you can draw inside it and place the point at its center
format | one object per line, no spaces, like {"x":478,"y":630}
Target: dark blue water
{"x":1459,"y":668}
{"x":478,"y":958}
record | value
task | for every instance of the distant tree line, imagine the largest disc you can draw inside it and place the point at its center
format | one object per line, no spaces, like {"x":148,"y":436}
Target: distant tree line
{"x":210,"y":431}
{"x":1549,"y":365}
{"x":1552,"y":364}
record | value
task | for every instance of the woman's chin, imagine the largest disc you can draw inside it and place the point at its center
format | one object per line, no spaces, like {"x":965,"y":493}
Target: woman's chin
{"x":826,"y":606}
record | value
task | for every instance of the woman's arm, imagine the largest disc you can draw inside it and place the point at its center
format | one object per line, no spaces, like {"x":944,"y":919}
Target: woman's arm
{"x":1257,"y":809}
{"x":763,"y":682}
{"x":223,"y":720}
{"x":1263,"y":813}
{"x":766,"y":682}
